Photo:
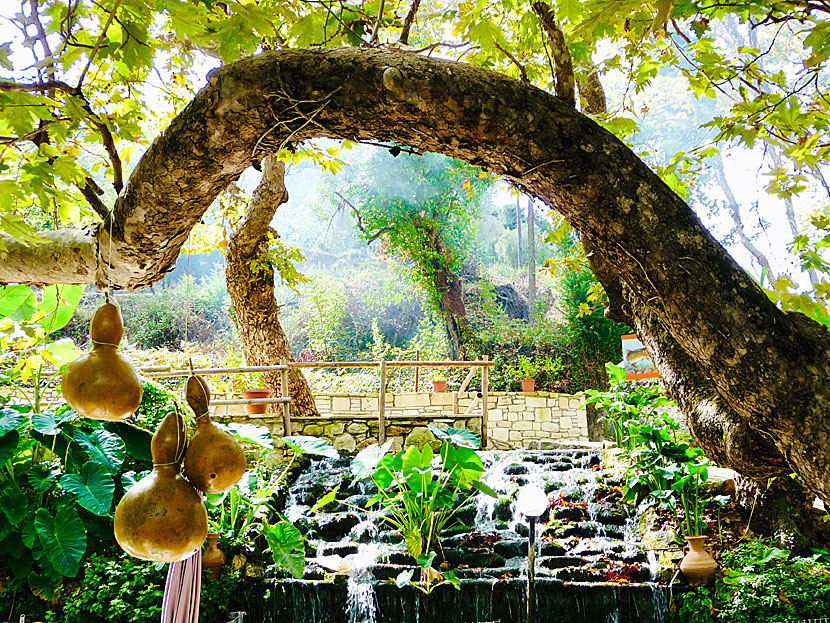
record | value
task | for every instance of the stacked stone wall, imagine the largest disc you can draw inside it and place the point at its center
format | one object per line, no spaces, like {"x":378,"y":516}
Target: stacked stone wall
{"x":350,"y":421}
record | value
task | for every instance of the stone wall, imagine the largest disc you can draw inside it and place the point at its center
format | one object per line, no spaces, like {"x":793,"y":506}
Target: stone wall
{"x":350,"y":421}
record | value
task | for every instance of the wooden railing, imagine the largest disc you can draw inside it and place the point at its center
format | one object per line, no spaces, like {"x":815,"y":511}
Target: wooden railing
{"x":484,"y":364}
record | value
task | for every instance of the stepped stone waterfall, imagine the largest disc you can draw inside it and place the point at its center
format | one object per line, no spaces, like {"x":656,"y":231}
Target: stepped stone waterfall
{"x":589,"y":565}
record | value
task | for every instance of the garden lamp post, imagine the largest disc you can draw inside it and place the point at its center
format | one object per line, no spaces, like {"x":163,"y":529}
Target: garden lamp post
{"x":531,"y":502}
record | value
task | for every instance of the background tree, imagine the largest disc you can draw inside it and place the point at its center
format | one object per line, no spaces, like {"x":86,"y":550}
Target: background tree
{"x":421,"y":210}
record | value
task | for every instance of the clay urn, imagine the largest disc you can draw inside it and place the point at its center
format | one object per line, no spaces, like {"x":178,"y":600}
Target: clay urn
{"x":213,"y":558}
{"x":697,"y":565}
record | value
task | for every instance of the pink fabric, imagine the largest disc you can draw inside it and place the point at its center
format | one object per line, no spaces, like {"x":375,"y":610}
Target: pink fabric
{"x":182,"y":591}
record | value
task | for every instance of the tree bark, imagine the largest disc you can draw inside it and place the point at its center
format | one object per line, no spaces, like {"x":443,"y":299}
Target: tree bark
{"x":766,"y":372}
{"x":252,"y":290}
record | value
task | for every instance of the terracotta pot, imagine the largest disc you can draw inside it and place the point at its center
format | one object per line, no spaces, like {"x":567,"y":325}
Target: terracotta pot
{"x":259,"y":392}
{"x":213,"y":558}
{"x":698,"y":565}
{"x":528,"y":385}
{"x":439,"y":387}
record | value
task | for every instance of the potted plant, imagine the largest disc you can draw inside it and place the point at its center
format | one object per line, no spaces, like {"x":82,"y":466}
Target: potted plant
{"x":252,"y":387}
{"x":697,"y":565}
{"x":527,"y":370}
{"x":439,"y":380}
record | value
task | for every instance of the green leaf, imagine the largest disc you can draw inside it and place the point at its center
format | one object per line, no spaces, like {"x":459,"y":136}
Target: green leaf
{"x":43,"y":475}
{"x":20,"y":565}
{"x":13,"y":503}
{"x":457,"y":436}
{"x":136,"y":440}
{"x":103,"y":447}
{"x":250,"y":433}
{"x":93,"y":488}
{"x":10,"y":420}
{"x":404,"y":578}
{"x":48,"y":423}
{"x":425,"y":560}
{"x":63,"y":538}
{"x":364,"y":464}
{"x":312,"y":445}
{"x":465,"y":464}
{"x":43,"y":586}
{"x":8,"y":445}
{"x":287,"y":547}
{"x":62,"y":352}
{"x":12,"y":298}
{"x":325,"y":500}
{"x":58,"y":302}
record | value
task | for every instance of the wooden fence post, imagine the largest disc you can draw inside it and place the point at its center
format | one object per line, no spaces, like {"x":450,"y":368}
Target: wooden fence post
{"x":485,"y":381}
{"x":286,"y":393}
{"x":382,"y":404}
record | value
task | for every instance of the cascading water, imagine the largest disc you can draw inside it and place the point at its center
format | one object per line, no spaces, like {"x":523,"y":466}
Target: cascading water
{"x":590,"y":566}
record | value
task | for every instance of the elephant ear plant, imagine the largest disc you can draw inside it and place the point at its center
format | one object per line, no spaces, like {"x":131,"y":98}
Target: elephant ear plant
{"x":421,"y":492}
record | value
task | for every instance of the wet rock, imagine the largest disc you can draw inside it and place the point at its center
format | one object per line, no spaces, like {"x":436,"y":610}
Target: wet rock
{"x":334,"y":527}
{"x":570,"y":513}
{"x":254,"y":571}
{"x":421,"y":436}
{"x":552,"y":548}
{"x":388,"y":536}
{"x":338,"y":549}
{"x":510,"y":549}
{"x":467,"y":514}
{"x":480,"y":557}
{"x":560,"y":466}
{"x":610,"y":513}
{"x":400,"y":558}
{"x":552,"y":485}
{"x":313,"y":572}
{"x":514,"y":469}
{"x":583,"y":529}
{"x":503,"y":509}
{"x":522,"y":530}
{"x":560,"y":562}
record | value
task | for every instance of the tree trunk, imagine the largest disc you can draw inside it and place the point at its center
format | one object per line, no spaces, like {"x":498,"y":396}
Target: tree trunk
{"x":252,"y":291}
{"x":750,"y":377}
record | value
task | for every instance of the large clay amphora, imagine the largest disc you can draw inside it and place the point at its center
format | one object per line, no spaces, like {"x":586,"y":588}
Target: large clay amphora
{"x":214,"y":461}
{"x":698,"y":565}
{"x":162,"y":517}
{"x":101,"y":384}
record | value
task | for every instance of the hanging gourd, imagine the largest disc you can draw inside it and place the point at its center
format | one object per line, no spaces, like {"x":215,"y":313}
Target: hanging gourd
{"x":162,"y":517}
{"x":214,"y":461}
{"x":102,"y":385}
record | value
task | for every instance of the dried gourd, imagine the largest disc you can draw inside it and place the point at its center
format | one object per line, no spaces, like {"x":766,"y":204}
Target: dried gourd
{"x":214,"y":461}
{"x":102,"y":384}
{"x":162,"y":517}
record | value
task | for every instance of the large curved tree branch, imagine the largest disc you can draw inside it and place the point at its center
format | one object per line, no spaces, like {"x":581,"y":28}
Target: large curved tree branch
{"x":771,"y":369}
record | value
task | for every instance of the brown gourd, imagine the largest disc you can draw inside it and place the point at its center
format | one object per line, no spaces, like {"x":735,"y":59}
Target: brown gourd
{"x":214,"y":461}
{"x":102,"y":385}
{"x":162,"y":517}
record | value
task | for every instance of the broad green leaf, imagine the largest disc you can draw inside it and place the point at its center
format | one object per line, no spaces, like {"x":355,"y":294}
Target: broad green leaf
{"x":20,"y":565}
{"x":325,"y":500}
{"x":457,"y":436}
{"x":364,"y":464}
{"x":43,"y":586}
{"x":63,"y":538}
{"x":465,"y":464}
{"x":103,"y":447}
{"x":13,"y":503}
{"x":28,"y":534}
{"x":287,"y":547}
{"x":250,"y":433}
{"x":10,"y":420}
{"x":61,"y":352}
{"x":425,"y":560}
{"x":93,"y":488}
{"x":136,"y":440}
{"x":311,"y":445}
{"x":12,"y":298}
{"x":58,"y":303}
{"x":49,"y":423}
{"x":43,"y":475}
{"x":8,"y":445}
